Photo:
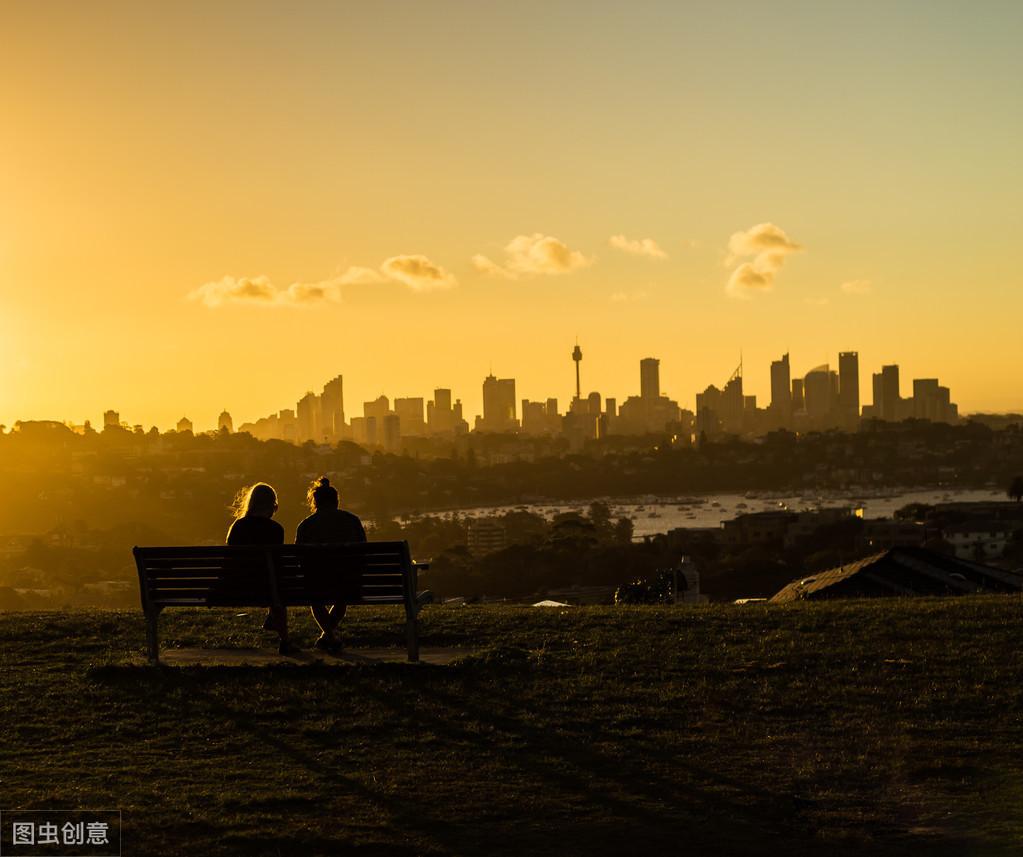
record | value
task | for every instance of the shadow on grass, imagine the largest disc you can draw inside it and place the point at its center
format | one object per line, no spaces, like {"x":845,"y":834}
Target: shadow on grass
{"x":598,"y":797}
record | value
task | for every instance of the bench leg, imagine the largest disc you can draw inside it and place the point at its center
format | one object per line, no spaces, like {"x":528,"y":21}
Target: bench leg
{"x":152,"y":637}
{"x":412,"y":637}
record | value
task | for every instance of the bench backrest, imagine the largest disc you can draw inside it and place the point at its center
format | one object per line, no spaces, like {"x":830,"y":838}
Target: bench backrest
{"x":292,"y":575}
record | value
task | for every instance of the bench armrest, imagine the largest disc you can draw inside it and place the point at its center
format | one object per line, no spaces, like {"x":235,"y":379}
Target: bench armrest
{"x":422,"y":566}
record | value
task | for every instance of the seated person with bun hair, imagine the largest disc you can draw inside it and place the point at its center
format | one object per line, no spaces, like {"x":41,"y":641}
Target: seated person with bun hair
{"x":328,"y":524}
{"x":253,"y":524}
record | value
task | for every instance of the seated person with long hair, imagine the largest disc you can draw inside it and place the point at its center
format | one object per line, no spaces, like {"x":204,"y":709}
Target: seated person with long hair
{"x":253,"y":524}
{"x":328,"y":525}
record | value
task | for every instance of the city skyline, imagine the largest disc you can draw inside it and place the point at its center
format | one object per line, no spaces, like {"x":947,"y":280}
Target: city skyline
{"x":413,"y":201}
{"x":818,"y":398}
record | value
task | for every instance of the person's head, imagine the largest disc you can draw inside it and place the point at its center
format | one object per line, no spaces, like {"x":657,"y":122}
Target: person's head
{"x":322,"y":496}
{"x":256,"y":501}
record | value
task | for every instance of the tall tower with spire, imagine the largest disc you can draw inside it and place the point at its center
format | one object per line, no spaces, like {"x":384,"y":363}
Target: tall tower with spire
{"x":577,"y":356}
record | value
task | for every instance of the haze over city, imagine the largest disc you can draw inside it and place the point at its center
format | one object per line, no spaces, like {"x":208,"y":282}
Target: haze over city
{"x":212,"y":206}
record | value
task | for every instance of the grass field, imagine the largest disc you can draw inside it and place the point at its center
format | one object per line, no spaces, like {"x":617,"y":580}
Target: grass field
{"x":847,"y":728}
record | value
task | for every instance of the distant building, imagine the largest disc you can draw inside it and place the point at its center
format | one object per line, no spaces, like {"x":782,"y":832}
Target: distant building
{"x":443,"y":418}
{"x":391,"y":439}
{"x":111,"y":419}
{"x":224,"y":422}
{"x":886,"y":385}
{"x":648,"y":413}
{"x":308,"y":416}
{"x":410,"y":411}
{"x":649,"y":378}
{"x":820,"y":393}
{"x":781,"y":392}
{"x":540,"y":418}
{"x":486,"y":535}
{"x":331,"y":423}
{"x":184,"y":424}
{"x":849,"y":387}
{"x":498,"y":406}
{"x":980,"y":540}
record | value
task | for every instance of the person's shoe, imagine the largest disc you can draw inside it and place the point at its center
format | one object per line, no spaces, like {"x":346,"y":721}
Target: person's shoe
{"x":287,"y":649}
{"x":330,"y":645}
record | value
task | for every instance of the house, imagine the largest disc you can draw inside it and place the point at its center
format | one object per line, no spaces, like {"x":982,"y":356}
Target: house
{"x":980,"y":539}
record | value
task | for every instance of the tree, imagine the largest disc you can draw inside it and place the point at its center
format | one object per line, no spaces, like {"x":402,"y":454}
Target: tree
{"x":1016,"y":489}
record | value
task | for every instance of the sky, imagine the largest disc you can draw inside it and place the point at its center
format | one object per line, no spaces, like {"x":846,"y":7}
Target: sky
{"x":224,"y":205}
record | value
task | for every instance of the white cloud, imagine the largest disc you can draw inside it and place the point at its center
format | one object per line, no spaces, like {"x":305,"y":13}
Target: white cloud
{"x":543,"y":254}
{"x":418,"y":273}
{"x":260,"y":290}
{"x":362,"y":276}
{"x":769,"y":246}
{"x":637,"y":246}
{"x":857,"y":287}
{"x":485,"y":265}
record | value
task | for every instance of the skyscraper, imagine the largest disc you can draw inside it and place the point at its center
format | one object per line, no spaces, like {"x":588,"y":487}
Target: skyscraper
{"x":849,"y":385}
{"x":332,"y":409}
{"x":781,"y":390}
{"x":498,"y":405}
{"x":890,"y":395}
{"x":224,"y":422}
{"x":308,"y":414}
{"x":411,"y":413}
{"x":817,"y":391}
{"x":649,"y":378}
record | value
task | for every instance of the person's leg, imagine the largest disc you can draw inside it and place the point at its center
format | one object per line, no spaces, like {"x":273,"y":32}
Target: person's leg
{"x":321,"y":613}
{"x":279,"y":617}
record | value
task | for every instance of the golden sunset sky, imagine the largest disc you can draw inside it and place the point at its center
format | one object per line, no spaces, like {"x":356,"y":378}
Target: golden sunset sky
{"x":210,"y":205}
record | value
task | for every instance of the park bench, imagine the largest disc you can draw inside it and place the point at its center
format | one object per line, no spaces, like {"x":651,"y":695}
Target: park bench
{"x":279,"y":576}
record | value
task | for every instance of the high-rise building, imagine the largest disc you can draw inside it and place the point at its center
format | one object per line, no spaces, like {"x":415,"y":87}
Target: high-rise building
{"x":111,"y":419}
{"x":891,"y":401}
{"x":443,"y":418}
{"x":184,"y":424}
{"x":411,"y":413}
{"x":931,"y":401}
{"x":781,"y":391}
{"x":332,"y":410}
{"x":849,"y":385}
{"x":649,"y":378}
{"x":818,"y":391}
{"x":540,"y":418}
{"x":498,"y":405}
{"x":390,"y":428}
{"x":224,"y":422}
{"x":308,"y":416}
{"x":798,"y":399}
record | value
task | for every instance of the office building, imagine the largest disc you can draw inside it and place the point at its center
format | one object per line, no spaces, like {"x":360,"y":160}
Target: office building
{"x":649,"y":378}
{"x":498,"y":406}
{"x":849,"y":387}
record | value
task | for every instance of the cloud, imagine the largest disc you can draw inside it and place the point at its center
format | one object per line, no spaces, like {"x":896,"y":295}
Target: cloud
{"x":487,"y":266}
{"x":760,"y":239}
{"x":637,"y":246}
{"x":362,"y":276}
{"x":418,"y":273}
{"x":260,"y":290}
{"x":543,"y":254}
{"x":857,"y":287}
{"x":817,"y":301}
{"x":769,"y":246}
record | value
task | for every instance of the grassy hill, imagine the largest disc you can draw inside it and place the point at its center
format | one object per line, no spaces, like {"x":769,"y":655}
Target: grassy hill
{"x":855,"y":728}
